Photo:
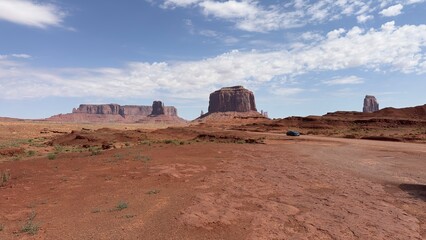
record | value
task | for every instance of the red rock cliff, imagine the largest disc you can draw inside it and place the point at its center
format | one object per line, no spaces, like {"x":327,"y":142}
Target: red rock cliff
{"x":232,"y":99}
{"x":129,"y":110}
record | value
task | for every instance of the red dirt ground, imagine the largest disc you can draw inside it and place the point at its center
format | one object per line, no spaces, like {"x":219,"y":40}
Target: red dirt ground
{"x":179,"y":184}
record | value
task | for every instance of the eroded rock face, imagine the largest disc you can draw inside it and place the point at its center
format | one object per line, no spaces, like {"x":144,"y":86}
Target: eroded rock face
{"x":370,"y":104}
{"x":157,"y":108}
{"x":232,"y":99}
{"x":113,"y":109}
{"x":134,"y":110}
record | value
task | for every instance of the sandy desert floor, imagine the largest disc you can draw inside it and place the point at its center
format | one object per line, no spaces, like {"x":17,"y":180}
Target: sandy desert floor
{"x":171,"y":184}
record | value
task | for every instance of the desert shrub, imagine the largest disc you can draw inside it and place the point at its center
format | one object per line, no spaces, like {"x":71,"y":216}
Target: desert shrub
{"x":4,"y":177}
{"x":175,"y":142}
{"x":121,"y":205}
{"x":94,"y":151}
{"x":153,"y":191}
{"x":58,"y":149}
{"x":30,"y":227}
{"x":31,"y":153}
{"x":51,"y":156}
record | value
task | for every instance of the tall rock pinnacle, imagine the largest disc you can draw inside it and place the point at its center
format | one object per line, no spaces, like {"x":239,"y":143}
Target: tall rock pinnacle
{"x":370,"y":104}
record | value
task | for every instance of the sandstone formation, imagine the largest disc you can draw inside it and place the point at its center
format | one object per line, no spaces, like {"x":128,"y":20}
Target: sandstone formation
{"x":232,"y":99}
{"x":370,"y":104}
{"x":157,"y":113}
{"x":157,"y":108}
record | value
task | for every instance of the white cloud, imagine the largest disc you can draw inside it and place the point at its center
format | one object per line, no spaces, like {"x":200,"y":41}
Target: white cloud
{"x":392,"y":11}
{"x":15,"y":55}
{"x":256,"y":16}
{"x":388,"y":48}
{"x":414,"y":1}
{"x":30,"y":13}
{"x":229,"y":9}
{"x":26,"y":56}
{"x":178,"y":3}
{"x":364,"y":18}
{"x":344,"y":81}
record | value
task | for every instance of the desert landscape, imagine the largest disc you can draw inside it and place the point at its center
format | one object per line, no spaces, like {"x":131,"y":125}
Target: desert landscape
{"x":232,"y":173}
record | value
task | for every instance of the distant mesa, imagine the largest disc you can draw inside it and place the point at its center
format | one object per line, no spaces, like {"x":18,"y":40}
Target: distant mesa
{"x":230,"y":104}
{"x":370,"y":104}
{"x":117,"y":113}
{"x":232,"y":99}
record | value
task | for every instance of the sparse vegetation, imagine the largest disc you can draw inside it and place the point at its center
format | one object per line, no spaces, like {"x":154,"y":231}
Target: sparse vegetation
{"x":4,"y":177}
{"x":121,"y":206}
{"x":173,"y":141}
{"x":1,"y":227}
{"x":142,"y":158}
{"x":94,"y":150}
{"x":31,"y":153}
{"x":58,"y":149}
{"x":30,"y":227}
{"x":153,"y":192}
{"x":51,"y":156}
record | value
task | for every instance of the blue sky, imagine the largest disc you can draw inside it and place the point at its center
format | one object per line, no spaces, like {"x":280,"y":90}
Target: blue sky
{"x":299,"y":57}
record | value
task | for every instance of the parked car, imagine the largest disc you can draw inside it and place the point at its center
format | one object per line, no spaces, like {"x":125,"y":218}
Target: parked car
{"x":293,"y":133}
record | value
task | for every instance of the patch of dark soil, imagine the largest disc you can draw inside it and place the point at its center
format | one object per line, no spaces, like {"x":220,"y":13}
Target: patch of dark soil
{"x":228,"y":139}
{"x":381,"y":138}
{"x":415,"y":190}
{"x":11,"y":151}
{"x":104,"y":137}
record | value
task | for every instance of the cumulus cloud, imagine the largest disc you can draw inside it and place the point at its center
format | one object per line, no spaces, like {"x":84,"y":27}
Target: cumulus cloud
{"x":388,"y":48}
{"x":392,"y":11}
{"x":30,"y":13}
{"x":344,"y":80}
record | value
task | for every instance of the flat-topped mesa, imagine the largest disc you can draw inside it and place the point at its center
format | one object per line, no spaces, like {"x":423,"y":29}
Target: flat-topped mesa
{"x":370,"y":104}
{"x":135,"y":110}
{"x":232,"y":99}
{"x":156,"y":109}
{"x":113,"y":109}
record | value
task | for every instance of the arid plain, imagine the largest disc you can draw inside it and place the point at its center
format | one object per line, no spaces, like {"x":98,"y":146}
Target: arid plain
{"x":205,"y":181}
